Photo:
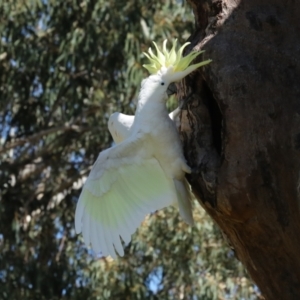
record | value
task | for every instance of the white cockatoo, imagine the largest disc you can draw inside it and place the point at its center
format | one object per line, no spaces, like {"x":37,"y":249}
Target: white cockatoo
{"x":119,"y":124}
{"x":145,"y":170}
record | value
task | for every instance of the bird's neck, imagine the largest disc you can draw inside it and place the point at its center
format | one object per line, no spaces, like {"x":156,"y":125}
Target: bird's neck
{"x":151,"y":102}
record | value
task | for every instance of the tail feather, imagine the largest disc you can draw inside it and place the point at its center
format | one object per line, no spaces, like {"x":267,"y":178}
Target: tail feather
{"x":185,"y":197}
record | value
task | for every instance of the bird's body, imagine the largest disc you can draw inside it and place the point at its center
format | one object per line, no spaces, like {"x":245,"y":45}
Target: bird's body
{"x":152,"y":119}
{"x":145,"y":171}
{"x":119,"y":125}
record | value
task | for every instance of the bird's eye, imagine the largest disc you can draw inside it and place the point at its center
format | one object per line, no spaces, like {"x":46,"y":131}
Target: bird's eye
{"x":162,"y":83}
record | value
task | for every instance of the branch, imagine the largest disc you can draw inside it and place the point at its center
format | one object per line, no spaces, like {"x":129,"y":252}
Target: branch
{"x":34,"y":137}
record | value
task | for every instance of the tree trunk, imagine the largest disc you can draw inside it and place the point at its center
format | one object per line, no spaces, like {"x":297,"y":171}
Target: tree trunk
{"x":241,"y":131}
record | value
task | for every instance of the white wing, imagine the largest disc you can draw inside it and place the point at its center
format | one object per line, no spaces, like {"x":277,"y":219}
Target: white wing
{"x":119,"y":125}
{"x":119,"y":192}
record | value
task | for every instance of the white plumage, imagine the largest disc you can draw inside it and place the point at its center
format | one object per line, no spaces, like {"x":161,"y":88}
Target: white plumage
{"x":119,"y":124}
{"x":143,"y":172}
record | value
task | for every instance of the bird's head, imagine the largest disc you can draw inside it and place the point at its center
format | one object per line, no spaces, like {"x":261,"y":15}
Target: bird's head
{"x":171,"y":66}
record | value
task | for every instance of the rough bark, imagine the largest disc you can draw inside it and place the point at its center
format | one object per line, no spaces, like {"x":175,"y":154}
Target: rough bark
{"x":241,"y":131}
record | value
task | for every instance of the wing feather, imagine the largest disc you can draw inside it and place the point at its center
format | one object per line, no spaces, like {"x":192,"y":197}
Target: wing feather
{"x":115,"y":220}
{"x":86,"y":229}
{"x":114,"y":229}
{"x":123,"y":224}
{"x":96,"y":233}
{"x":119,"y":126}
{"x":96,"y":242}
{"x":138,"y":199}
{"x":148,"y":181}
{"x":114,"y":202}
{"x":100,"y":242}
{"x":79,"y":213}
{"x":107,"y":236}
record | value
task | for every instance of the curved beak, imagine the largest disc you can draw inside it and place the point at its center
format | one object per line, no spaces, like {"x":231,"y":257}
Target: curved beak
{"x":172,"y":89}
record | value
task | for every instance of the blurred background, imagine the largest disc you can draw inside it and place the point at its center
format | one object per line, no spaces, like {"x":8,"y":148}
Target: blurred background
{"x":65,"y":66}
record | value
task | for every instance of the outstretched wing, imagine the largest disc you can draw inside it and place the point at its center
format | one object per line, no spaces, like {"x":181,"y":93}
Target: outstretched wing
{"x":120,"y":191}
{"x":119,"y":126}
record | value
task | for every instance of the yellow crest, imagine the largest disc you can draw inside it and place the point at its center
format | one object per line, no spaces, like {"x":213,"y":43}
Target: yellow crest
{"x":172,"y":58}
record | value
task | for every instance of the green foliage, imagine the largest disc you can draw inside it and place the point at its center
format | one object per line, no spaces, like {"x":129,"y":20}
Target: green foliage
{"x":65,"y":65}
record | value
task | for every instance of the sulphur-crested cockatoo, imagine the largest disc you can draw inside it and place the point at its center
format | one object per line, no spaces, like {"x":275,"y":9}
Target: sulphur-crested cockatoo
{"x":119,"y":124}
{"x":145,"y":170}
